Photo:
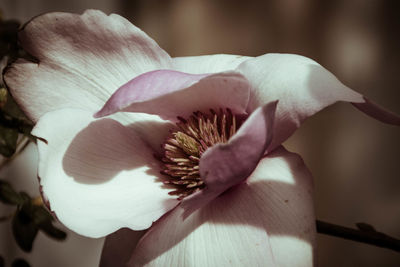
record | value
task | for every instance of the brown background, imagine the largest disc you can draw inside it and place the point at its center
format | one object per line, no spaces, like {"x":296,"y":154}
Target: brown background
{"x":354,"y":159}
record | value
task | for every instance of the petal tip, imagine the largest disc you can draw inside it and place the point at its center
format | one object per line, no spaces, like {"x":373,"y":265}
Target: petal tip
{"x":99,"y":114}
{"x":375,"y":111}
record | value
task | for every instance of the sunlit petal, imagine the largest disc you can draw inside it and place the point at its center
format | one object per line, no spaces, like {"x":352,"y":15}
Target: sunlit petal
{"x":207,"y":63}
{"x":98,"y":175}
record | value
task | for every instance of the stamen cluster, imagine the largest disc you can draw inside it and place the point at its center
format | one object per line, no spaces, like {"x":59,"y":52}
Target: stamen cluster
{"x":183,"y":149}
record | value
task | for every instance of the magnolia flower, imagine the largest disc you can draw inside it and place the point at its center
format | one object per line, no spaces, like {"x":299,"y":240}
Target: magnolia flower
{"x":189,"y":148}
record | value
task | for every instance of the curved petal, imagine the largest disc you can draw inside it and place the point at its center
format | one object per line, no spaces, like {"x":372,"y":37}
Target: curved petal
{"x":268,"y":221}
{"x":302,"y":86}
{"x":207,"y":63}
{"x":82,"y":60}
{"x":170,"y":94}
{"x":228,"y":232}
{"x":98,"y":175}
{"x":284,"y":188}
{"x":225,"y":165}
{"x":119,"y":246}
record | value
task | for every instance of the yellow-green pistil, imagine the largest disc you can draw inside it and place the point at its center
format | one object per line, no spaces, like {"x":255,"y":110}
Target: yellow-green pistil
{"x":183,"y":149}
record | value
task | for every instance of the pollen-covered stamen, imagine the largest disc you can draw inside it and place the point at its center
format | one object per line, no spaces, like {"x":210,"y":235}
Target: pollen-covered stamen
{"x":183,"y":149}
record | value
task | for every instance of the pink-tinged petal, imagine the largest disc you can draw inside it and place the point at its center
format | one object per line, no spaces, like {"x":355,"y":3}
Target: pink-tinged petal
{"x":377,"y":112}
{"x":170,"y":94}
{"x":146,"y":87}
{"x":119,"y":246}
{"x":98,"y":175}
{"x":302,"y":86}
{"x":208,"y":63}
{"x":268,"y":221}
{"x":82,"y":60}
{"x":225,"y":165}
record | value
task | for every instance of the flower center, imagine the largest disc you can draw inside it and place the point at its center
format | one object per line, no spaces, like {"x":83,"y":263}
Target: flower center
{"x":184,"y":147}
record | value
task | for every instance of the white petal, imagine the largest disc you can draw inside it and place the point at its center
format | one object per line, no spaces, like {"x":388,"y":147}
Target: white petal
{"x":82,"y":60}
{"x":284,"y":184}
{"x":98,"y":175}
{"x":225,"y":233}
{"x":267,"y":221}
{"x":208,"y":63}
{"x":302,"y":86}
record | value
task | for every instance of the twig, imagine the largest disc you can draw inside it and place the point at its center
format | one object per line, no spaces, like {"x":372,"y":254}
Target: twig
{"x":367,"y":235}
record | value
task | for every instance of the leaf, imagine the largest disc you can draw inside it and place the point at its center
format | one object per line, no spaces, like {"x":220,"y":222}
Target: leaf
{"x":40,"y":215}
{"x":29,"y":219}
{"x":8,"y":195}
{"x":24,"y":228}
{"x":11,"y":116}
{"x":53,"y":231}
{"x":12,"y":109}
{"x":8,"y":141}
{"x":20,"y":263}
{"x":25,"y":197}
{"x":43,"y":220}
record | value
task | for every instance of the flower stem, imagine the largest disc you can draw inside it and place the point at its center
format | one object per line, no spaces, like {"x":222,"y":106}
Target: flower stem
{"x":365,"y":234}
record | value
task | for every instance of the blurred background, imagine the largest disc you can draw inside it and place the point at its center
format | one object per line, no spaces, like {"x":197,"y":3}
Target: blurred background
{"x":354,"y":159}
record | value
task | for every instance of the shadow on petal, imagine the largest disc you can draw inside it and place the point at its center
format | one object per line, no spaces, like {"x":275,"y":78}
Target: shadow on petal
{"x":105,"y":148}
{"x":282,"y":208}
{"x":118,"y":247}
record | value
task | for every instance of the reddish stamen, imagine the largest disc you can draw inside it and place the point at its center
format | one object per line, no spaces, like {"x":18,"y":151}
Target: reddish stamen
{"x":184,"y":147}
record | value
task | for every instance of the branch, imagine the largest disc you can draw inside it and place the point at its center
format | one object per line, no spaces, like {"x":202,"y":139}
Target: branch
{"x":365,"y":234}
